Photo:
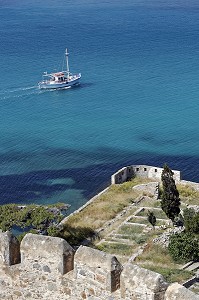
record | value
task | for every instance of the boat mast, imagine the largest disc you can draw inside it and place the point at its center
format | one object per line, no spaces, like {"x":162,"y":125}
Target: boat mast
{"x":67,"y":64}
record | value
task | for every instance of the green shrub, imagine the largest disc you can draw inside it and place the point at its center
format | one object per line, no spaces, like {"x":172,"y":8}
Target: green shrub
{"x":75,"y":235}
{"x":151,"y":218}
{"x":184,"y":247}
{"x":191,"y":220}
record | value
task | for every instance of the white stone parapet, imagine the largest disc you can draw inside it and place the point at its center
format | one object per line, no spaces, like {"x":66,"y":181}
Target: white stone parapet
{"x":48,"y":271}
{"x":143,"y":171}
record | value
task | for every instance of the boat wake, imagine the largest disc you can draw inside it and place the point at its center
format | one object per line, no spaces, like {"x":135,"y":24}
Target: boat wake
{"x":18,"y":92}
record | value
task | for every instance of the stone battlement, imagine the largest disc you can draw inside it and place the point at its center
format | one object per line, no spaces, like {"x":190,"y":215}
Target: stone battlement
{"x":143,"y":171}
{"x":44,"y":267}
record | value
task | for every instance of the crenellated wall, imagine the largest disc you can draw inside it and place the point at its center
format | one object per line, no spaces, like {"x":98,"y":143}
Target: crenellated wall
{"x":53,"y":253}
{"x":51,"y":269}
{"x":143,"y":171}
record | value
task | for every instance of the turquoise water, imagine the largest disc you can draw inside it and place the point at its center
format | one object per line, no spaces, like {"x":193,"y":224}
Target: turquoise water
{"x":138,"y":101}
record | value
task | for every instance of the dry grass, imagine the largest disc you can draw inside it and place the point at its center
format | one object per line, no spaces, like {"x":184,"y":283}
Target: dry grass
{"x":157,"y":212}
{"x":109,"y":204}
{"x":149,"y":202}
{"x":106,"y":206}
{"x":139,"y":220}
{"x":156,"y":255}
{"x":145,"y":221}
{"x":188,"y":194}
{"x":117,"y":248}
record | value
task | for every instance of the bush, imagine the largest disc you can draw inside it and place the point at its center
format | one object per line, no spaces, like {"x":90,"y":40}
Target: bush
{"x":151,"y":218}
{"x":76,"y":235}
{"x":184,"y":247}
{"x":191,"y":220}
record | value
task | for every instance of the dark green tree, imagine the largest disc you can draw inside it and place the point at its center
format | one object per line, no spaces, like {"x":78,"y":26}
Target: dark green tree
{"x":184,"y":247}
{"x":151,"y":218}
{"x":170,"y":202}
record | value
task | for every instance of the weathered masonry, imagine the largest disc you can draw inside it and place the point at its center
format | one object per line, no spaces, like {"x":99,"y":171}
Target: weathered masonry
{"x":46,"y":267}
{"x":143,"y":171}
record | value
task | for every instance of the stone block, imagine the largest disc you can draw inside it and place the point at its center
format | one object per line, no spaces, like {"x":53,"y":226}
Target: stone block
{"x":139,"y":283}
{"x":99,"y":267}
{"x":52,"y":253}
{"x":9,"y":249}
{"x":178,"y":292}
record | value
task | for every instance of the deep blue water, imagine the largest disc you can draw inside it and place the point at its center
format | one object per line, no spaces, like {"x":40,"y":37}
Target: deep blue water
{"x":138,"y":101}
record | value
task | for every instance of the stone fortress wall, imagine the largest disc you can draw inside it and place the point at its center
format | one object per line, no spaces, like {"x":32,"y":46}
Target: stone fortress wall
{"x":129,"y":172}
{"x":44,"y":267}
{"x":143,"y":171}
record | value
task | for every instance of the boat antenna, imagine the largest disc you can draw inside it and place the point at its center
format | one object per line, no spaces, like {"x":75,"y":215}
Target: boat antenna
{"x":67,"y":64}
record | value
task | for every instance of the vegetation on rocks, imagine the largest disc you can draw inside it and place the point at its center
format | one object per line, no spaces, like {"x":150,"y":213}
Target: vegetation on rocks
{"x":184,"y":247}
{"x":188,"y":195}
{"x":34,"y":218}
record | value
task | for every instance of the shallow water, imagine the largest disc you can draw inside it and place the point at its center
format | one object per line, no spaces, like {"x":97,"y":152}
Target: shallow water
{"x":138,"y":101}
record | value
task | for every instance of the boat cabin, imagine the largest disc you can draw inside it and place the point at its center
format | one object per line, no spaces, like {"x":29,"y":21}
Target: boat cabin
{"x":59,"y":77}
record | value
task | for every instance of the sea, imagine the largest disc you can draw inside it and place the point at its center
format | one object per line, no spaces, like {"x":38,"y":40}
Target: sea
{"x":138,"y":102}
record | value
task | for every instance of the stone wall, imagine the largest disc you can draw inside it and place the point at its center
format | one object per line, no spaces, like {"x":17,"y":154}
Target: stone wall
{"x":51,"y":269}
{"x":9,"y":249}
{"x":143,"y":171}
{"x":52,"y":253}
{"x":140,"y":283}
{"x":177,"y":292}
{"x":101,"y":269}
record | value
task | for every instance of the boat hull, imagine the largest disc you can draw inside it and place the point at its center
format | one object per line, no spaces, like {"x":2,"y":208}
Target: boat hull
{"x":59,"y":85}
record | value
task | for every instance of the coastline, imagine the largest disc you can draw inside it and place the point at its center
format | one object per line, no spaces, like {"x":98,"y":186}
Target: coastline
{"x":125,"y":173}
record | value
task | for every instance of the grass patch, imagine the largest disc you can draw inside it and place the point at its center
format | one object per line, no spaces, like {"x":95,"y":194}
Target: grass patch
{"x":147,"y":202}
{"x":145,"y":221}
{"x":139,"y":220}
{"x":161,"y":222}
{"x":170,"y":275}
{"x":106,"y":206}
{"x":195,"y":289}
{"x":116,"y":248}
{"x":156,"y":255}
{"x":130,"y":230}
{"x":158,"y":213}
{"x":137,"y":238}
{"x":157,"y":204}
{"x":188,"y":194}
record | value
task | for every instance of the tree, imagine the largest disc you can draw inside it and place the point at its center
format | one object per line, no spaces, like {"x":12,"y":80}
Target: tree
{"x":191,"y":220}
{"x":151,"y":218}
{"x":184,"y":247}
{"x":170,"y":197}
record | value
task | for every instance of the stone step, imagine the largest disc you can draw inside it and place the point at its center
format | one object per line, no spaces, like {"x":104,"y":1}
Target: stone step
{"x":193,"y":266}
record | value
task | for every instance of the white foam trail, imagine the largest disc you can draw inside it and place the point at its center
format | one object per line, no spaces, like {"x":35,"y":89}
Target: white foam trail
{"x":18,"y":95}
{"x":17,"y":90}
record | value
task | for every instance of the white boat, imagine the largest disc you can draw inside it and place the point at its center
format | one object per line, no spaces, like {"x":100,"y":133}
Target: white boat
{"x":60,"y":80}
